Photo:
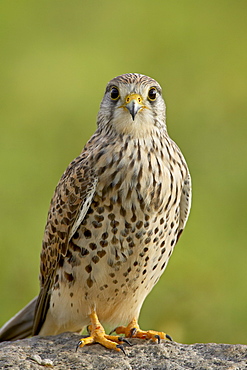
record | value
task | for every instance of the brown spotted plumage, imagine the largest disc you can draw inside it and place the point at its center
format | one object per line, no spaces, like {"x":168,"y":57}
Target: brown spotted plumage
{"x":115,"y":218}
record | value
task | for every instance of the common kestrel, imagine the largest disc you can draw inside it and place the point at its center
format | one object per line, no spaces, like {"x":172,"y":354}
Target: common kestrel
{"x":114,"y":220}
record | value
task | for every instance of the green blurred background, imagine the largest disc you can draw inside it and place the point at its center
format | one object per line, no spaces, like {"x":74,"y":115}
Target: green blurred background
{"x":56,"y":58}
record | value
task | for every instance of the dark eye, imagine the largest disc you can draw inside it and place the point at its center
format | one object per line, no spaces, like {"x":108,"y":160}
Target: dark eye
{"x":152,"y":94}
{"x":114,"y":93}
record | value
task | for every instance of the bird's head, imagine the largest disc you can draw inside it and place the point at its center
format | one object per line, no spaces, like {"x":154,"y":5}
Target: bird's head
{"x":132,"y":104}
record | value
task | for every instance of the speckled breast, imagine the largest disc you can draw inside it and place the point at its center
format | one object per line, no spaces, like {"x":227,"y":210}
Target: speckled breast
{"x":123,"y":244}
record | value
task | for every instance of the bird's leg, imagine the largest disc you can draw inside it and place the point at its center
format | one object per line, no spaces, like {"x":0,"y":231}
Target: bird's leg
{"x":98,"y":335}
{"x":133,"y":331}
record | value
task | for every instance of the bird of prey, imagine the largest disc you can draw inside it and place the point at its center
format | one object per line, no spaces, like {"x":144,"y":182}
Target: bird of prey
{"x":114,"y":220}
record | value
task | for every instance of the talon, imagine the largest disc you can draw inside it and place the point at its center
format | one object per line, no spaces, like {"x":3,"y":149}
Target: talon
{"x":169,"y":337}
{"x":133,"y":331}
{"x":125,"y":340}
{"x":97,"y":334}
{"x":120,"y":346}
{"x":78,"y":345}
{"x":112,"y":331}
{"x":158,"y":338}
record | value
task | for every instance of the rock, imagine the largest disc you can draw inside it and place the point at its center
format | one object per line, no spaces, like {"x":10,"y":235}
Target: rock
{"x":58,"y":353}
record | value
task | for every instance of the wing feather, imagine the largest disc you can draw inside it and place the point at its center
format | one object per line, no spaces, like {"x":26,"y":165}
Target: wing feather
{"x":69,"y":205}
{"x":185,"y":204}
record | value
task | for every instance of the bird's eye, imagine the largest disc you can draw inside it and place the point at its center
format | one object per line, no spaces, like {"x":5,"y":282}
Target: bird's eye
{"x":114,"y":93}
{"x":152,"y":94}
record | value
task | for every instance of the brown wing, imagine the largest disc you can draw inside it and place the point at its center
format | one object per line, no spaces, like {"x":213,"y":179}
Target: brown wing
{"x":186,"y":194}
{"x":185,"y":204}
{"x":69,"y":205}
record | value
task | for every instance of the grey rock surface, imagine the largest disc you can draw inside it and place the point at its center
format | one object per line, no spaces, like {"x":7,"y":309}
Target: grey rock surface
{"x":58,"y":352}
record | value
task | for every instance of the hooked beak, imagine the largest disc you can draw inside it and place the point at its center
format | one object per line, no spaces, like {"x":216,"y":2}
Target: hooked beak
{"x":133,"y":103}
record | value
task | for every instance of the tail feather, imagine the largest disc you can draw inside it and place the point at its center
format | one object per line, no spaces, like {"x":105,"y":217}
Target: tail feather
{"x":21,"y":325}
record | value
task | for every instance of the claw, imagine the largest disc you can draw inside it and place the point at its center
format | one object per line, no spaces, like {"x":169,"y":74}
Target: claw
{"x":78,"y":345}
{"x":112,"y":331}
{"x":133,"y":331}
{"x":97,"y":335}
{"x":120,"y":346}
{"x":158,"y":338}
{"x":125,"y":340}
{"x":169,"y":337}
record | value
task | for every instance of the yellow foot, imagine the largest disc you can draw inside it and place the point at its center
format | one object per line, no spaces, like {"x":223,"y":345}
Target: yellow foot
{"x":98,"y":335}
{"x":133,"y":331}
